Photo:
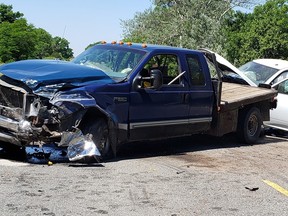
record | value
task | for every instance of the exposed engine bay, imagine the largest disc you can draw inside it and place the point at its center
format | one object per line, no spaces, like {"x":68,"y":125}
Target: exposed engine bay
{"x":30,"y":119}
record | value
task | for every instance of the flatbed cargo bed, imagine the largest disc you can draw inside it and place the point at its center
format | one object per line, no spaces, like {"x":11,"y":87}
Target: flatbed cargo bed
{"x":237,"y":95}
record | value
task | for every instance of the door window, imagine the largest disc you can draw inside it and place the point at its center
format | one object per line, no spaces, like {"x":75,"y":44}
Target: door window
{"x":282,"y":76}
{"x":283,"y":87}
{"x":195,"y":70}
{"x":168,"y":64}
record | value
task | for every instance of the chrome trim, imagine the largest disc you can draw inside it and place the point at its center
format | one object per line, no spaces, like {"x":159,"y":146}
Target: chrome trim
{"x":24,"y":105}
{"x":9,"y":139}
{"x":158,"y":123}
{"x":169,"y":122}
{"x":123,"y":126}
{"x":9,"y":123}
{"x":199,"y":120}
{"x":16,"y":88}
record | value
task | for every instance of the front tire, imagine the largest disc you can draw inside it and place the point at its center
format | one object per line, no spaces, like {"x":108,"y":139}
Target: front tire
{"x":99,"y":131}
{"x":250,"y":125}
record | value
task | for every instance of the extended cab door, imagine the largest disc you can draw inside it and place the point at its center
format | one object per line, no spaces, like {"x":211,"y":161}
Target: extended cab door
{"x":163,"y":112}
{"x":201,"y":94}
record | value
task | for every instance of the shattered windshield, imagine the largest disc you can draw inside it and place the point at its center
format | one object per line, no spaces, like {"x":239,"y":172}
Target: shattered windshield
{"x":258,"y":73}
{"x":114,"y":61}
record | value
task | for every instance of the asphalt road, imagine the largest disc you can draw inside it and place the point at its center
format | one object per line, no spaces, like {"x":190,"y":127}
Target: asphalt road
{"x":196,"y":175}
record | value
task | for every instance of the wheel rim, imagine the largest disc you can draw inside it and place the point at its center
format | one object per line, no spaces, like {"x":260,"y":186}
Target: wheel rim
{"x":252,"y":125}
{"x":102,"y":144}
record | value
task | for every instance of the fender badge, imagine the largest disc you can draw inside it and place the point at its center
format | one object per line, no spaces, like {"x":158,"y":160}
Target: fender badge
{"x":120,"y":99}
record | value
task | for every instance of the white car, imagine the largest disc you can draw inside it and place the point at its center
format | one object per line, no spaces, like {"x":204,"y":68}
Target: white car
{"x":268,"y":71}
{"x":279,"y":116}
{"x":275,"y":73}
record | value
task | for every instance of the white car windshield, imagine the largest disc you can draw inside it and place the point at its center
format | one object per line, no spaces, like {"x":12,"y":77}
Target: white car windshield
{"x":258,"y":73}
{"x":116,"y":62}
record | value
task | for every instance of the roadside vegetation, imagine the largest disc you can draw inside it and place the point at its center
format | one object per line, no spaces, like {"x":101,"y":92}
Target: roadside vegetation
{"x":229,"y":27}
{"x":20,"y":40}
{"x":260,"y":34}
{"x":240,"y":30}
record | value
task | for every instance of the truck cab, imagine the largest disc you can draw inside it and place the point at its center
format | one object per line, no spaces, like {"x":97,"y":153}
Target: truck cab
{"x":180,"y":104}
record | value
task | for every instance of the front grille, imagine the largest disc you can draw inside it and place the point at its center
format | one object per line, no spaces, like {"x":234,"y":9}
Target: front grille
{"x":11,"y":98}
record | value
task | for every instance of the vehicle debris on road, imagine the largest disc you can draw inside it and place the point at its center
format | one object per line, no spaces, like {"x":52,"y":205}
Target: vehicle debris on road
{"x":78,"y":145}
{"x":252,"y":189}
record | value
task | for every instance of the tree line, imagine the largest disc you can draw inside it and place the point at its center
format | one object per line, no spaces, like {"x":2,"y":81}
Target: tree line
{"x":239,"y":35}
{"x":20,"y":40}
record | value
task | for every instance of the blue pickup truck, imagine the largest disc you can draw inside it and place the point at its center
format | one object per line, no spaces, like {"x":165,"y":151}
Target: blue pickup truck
{"x":122,"y":92}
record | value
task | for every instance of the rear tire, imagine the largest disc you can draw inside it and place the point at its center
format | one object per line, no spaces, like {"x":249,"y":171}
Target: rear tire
{"x":249,"y":125}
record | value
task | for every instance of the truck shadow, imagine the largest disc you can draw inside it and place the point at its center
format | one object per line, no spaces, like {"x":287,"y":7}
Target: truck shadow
{"x":175,"y":146}
{"x":183,"y":145}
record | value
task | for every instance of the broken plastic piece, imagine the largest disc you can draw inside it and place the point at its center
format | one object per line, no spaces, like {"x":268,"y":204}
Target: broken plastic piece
{"x":25,"y":126}
{"x":48,"y":152}
{"x":67,"y":137}
{"x":79,"y":146}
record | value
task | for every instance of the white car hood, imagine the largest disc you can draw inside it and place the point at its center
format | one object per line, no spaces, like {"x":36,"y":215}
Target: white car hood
{"x":223,"y":62}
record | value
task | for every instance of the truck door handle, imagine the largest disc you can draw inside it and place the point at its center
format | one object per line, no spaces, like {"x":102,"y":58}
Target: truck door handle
{"x":185,"y":98}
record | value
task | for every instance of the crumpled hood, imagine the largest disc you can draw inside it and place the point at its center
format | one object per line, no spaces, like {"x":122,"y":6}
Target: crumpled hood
{"x":37,"y":73}
{"x":223,"y":64}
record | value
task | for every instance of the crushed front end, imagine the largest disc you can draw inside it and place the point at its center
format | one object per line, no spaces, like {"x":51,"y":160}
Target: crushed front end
{"x":25,"y":118}
{"x":29,"y":119}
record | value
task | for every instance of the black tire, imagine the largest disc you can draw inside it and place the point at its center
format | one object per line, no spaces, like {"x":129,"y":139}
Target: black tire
{"x":250,"y":125}
{"x":100,"y":136}
{"x":13,"y":152}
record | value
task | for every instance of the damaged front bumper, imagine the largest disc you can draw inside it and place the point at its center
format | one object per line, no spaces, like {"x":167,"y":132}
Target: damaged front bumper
{"x":74,"y":146}
{"x":28,"y":119}
{"x":14,"y":127}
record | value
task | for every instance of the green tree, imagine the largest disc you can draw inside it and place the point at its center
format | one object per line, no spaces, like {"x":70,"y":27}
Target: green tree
{"x":184,"y":23}
{"x":17,"y":40}
{"x":43,"y":44}
{"x":235,"y":29}
{"x":20,"y":40}
{"x":7,"y":14}
{"x":61,"y":49}
{"x":261,"y":34}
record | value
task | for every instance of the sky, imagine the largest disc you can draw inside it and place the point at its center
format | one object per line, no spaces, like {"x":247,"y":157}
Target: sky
{"x":81,"y":22}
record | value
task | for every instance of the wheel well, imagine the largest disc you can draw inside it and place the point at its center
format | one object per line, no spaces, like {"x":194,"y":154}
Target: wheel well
{"x":263,"y":106}
{"x":94,"y":114}
{"x":249,"y":124}
{"x":90,"y":115}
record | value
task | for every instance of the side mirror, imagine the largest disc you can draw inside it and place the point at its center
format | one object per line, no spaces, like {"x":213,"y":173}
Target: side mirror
{"x":153,"y":81}
{"x":156,"y":78}
{"x":263,"y":85}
